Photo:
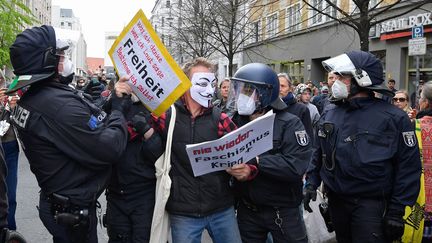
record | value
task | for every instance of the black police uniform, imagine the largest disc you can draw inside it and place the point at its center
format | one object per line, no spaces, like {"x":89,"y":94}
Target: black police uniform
{"x":71,"y":146}
{"x":131,"y":192}
{"x":301,"y":111}
{"x":369,"y":161}
{"x":270,"y":202}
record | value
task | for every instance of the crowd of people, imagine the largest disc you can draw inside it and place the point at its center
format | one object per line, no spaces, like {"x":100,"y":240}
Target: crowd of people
{"x":87,"y":135}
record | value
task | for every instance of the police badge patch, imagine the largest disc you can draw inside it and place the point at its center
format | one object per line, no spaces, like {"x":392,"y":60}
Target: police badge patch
{"x":302,"y":138}
{"x":409,"y":138}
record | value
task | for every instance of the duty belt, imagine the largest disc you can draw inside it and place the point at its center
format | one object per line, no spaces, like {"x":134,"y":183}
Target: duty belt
{"x":65,"y":212}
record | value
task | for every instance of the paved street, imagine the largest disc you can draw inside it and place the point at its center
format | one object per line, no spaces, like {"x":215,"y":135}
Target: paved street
{"x":27,"y":218}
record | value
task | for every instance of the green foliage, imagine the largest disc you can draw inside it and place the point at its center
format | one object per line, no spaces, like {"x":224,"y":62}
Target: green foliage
{"x":14,"y":17}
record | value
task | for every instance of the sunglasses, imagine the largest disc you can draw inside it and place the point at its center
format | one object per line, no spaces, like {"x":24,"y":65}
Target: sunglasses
{"x":399,"y":99}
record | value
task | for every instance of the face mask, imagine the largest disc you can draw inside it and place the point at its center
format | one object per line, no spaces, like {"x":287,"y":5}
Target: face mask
{"x":68,"y":68}
{"x":246,"y":104}
{"x":202,"y":89}
{"x":339,"y":90}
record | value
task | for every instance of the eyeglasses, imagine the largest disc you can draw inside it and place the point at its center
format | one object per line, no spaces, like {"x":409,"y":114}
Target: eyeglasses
{"x":399,"y":99}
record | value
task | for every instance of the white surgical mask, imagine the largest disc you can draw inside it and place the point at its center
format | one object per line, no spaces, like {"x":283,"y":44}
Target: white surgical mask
{"x":246,"y":104}
{"x":339,"y":90}
{"x":202,"y":89}
{"x":68,"y":68}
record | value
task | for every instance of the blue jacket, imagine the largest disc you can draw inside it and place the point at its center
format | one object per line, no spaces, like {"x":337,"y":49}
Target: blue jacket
{"x":367,"y":148}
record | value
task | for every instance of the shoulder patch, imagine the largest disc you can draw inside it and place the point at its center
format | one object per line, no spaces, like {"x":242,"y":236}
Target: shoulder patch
{"x":409,"y":138}
{"x":302,"y":137}
{"x":19,"y":116}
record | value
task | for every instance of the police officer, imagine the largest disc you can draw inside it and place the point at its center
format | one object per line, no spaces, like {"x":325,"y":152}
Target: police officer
{"x":69,"y":143}
{"x":367,"y":155}
{"x":131,"y":191}
{"x":270,"y":201}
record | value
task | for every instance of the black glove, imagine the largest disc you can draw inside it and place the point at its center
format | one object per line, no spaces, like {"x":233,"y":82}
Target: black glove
{"x":140,"y":123}
{"x":121,"y":104}
{"x":94,"y":89}
{"x":394,"y":224}
{"x":309,"y":193}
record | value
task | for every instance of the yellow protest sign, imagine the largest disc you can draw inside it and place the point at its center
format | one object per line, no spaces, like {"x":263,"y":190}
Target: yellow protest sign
{"x":155,"y":77}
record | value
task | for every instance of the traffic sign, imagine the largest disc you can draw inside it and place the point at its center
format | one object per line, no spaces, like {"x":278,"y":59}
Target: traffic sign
{"x":417,"y":32}
{"x":417,"y":46}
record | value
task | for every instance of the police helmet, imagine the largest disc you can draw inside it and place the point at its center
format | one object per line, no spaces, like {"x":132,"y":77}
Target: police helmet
{"x":35,"y":55}
{"x":258,"y":79}
{"x":364,"y":67}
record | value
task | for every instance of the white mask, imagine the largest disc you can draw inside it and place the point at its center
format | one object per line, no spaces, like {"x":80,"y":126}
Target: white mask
{"x":339,"y":90}
{"x":202,"y":89}
{"x":68,"y":68}
{"x":246,"y":104}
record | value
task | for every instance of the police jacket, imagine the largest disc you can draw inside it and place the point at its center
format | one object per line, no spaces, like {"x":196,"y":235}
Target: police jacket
{"x":135,"y":169}
{"x":301,"y":111}
{"x":70,"y":145}
{"x":203,"y":195}
{"x":279,"y":180}
{"x":367,"y":148}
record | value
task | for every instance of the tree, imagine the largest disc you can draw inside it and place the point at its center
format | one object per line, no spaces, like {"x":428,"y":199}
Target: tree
{"x":364,"y":16}
{"x":14,"y":17}
{"x":192,"y":35}
{"x":209,"y":26}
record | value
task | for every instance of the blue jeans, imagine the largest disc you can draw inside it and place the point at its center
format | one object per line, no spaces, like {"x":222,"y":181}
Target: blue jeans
{"x":222,"y":227}
{"x":11,"y":150}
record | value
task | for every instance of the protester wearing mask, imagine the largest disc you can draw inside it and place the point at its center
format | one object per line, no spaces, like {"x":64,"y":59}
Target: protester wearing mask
{"x":303,"y":95}
{"x":366,"y":154}
{"x":70,"y":143}
{"x":269,"y":203}
{"x":203,"y":202}
{"x":80,"y":83}
{"x":294,"y":107}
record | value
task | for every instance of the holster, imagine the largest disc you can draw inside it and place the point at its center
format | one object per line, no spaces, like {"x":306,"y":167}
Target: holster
{"x":66,"y":213}
{"x":325,"y":212}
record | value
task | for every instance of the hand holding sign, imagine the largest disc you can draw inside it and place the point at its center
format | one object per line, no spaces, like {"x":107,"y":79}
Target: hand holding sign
{"x":121,"y":87}
{"x":241,"y":171}
{"x":155,"y":77}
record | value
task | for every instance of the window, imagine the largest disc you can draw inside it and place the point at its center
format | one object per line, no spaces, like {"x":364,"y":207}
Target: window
{"x":272,"y":25}
{"x":163,"y":39}
{"x":293,"y":17}
{"x":163,"y":22}
{"x":255,"y":32}
{"x":295,"y":70}
{"x":323,"y":7}
{"x":62,"y":24}
{"x":168,"y":4}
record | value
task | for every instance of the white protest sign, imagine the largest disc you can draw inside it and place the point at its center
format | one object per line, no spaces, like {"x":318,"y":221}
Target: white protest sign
{"x":236,"y":147}
{"x":155,"y":77}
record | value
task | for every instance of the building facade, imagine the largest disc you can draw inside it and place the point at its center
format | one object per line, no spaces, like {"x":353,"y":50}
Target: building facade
{"x":41,"y":9}
{"x":291,"y":37}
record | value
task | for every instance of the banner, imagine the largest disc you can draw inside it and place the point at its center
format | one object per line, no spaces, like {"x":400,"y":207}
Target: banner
{"x":236,"y":147}
{"x":415,"y":216}
{"x":155,"y":77}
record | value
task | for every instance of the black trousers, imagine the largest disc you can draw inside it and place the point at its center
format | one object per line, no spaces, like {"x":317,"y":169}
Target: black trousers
{"x":85,"y":233}
{"x":357,"y":220}
{"x":255,"y":225}
{"x":129,"y":217}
